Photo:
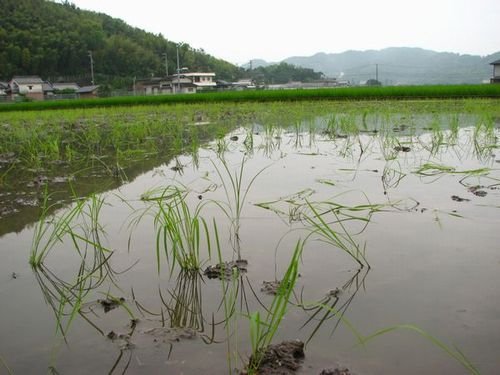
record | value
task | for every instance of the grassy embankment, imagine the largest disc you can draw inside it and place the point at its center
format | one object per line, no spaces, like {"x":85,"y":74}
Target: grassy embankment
{"x":347,"y":93}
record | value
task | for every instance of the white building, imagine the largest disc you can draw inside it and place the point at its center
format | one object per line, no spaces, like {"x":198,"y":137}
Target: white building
{"x":31,"y":86}
{"x":200,"y":80}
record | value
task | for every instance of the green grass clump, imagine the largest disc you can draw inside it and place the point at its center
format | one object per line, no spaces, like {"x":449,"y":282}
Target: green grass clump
{"x":179,"y":229}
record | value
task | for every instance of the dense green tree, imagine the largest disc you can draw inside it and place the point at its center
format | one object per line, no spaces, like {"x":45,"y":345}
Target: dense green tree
{"x":49,"y":39}
{"x":283,"y":73}
{"x":52,"y":40}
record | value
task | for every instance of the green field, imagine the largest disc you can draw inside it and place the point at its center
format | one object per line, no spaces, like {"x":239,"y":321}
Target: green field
{"x":347,"y":93}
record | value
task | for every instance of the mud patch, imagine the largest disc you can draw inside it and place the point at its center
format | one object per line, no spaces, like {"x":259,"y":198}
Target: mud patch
{"x":271,"y":287}
{"x":278,"y":359}
{"x":402,"y":149}
{"x":337,"y":371}
{"x":456,"y":198}
{"x":165,"y":334}
{"x":110,"y":304}
{"x":225,"y":270}
{"x":476,"y":190}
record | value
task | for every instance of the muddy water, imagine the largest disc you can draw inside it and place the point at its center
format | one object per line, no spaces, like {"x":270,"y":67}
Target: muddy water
{"x":434,"y":259}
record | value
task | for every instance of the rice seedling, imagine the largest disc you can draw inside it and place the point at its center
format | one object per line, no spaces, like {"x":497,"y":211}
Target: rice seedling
{"x":263,"y":329}
{"x":48,"y":232}
{"x":179,"y":230}
{"x":352,"y":93}
{"x":454,"y":126}
{"x":433,"y":169}
{"x":484,"y":138}
{"x":235,"y":192}
{"x":340,"y":238}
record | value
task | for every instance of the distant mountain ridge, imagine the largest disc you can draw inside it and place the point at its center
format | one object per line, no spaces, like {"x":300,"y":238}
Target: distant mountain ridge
{"x":398,"y":65}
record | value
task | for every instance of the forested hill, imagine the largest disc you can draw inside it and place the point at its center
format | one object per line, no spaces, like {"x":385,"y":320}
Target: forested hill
{"x":48,"y":39}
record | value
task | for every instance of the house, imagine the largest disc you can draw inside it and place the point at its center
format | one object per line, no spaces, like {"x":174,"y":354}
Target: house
{"x":153,"y":86}
{"x":200,"y":80}
{"x":183,"y":85}
{"x":47,"y":89}
{"x":169,"y":85}
{"x":246,"y":83}
{"x":496,"y":72}
{"x":29,"y":86}
{"x":66,"y":87}
{"x":88,"y":92}
{"x":4,"y":88}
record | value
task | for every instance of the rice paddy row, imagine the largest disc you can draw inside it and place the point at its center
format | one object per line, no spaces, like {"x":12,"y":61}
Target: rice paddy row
{"x":342,"y":94}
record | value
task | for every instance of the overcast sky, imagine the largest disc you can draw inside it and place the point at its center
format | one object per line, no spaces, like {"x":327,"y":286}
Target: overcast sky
{"x":238,"y":31}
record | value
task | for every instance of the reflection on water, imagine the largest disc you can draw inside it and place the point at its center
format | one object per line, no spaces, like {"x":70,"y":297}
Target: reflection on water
{"x":398,"y":213}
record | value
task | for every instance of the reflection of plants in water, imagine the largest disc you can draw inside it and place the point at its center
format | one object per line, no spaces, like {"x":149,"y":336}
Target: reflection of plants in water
{"x":392,"y":175}
{"x":270,"y":138}
{"x":185,"y":306}
{"x":328,"y":308}
{"x":454,"y":352}
{"x":248,"y":142}
{"x":331,"y":307}
{"x":67,"y":298}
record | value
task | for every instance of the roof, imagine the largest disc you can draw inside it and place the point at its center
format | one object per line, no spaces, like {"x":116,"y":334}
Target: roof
{"x":65,"y":85}
{"x":193,"y":74}
{"x":496,"y":62}
{"x":46,"y":86}
{"x":4,"y":85}
{"x":27,"y":79}
{"x":87,"y":89}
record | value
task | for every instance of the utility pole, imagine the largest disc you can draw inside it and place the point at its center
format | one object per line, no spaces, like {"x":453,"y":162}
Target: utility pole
{"x":134,"y":85}
{"x":376,"y":72}
{"x":91,"y":68}
{"x":251,"y":63}
{"x":178,"y":71}
{"x":166,"y":64}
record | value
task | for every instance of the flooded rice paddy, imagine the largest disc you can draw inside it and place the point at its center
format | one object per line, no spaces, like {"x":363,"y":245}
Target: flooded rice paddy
{"x":185,"y":240}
